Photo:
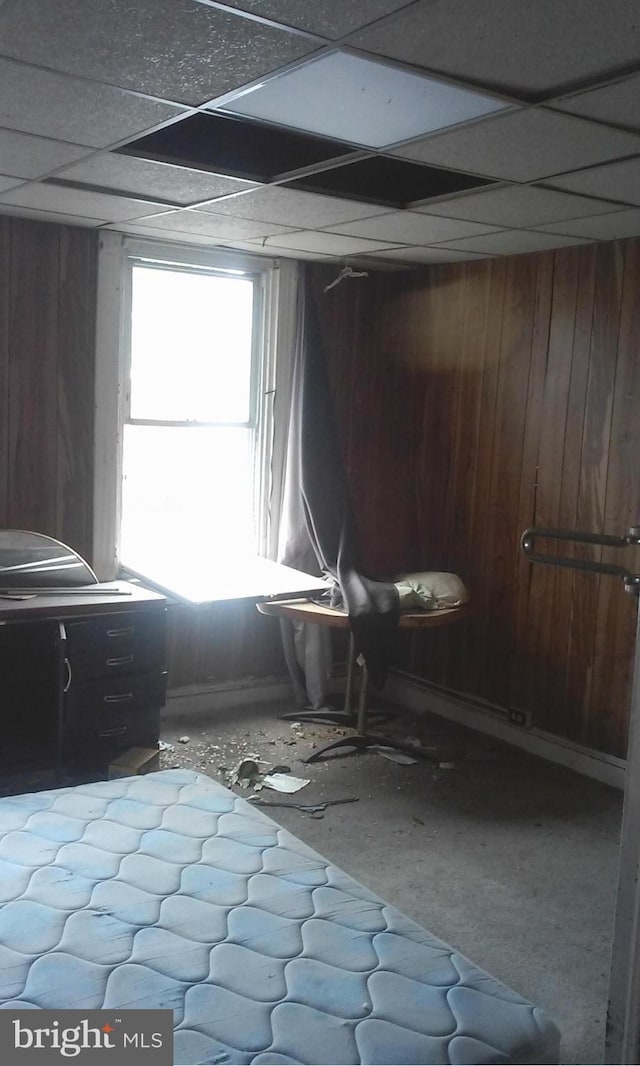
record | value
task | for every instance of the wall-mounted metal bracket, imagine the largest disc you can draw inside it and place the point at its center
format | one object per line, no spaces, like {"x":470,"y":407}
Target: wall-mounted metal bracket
{"x":631,"y":581}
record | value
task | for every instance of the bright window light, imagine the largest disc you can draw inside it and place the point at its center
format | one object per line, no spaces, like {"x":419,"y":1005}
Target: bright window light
{"x":190,"y":346}
{"x":188,"y":488}
{"x":187,"y":496}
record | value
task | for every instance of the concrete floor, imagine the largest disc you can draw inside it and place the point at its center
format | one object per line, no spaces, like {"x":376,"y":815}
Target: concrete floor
{"x":509,"y":859}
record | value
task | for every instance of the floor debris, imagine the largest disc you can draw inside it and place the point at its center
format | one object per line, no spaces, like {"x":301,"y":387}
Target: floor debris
{"x":316,"y":810}
{"x":393,"y":755}
{"x":284,"y":782}
{"x":246,"y":774}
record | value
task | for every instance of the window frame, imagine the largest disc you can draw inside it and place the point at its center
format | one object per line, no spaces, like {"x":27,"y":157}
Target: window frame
{"x":274,"y":293}
{"x":257,"y":279}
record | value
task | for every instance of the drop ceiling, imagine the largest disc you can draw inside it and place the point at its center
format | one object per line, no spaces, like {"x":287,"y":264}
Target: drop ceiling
{"x":382,"y":132}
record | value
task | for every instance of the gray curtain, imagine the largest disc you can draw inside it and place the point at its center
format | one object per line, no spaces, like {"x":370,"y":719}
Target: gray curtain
{"x":318,"y":533}
{"x":307,"y":648}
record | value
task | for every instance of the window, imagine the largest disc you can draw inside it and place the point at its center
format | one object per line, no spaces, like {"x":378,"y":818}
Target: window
{"x":189,"y":441}
{"x":190,"y":406}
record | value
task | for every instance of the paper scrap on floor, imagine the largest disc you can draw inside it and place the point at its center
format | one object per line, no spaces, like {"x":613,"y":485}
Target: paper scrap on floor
{"x":284,"y":782}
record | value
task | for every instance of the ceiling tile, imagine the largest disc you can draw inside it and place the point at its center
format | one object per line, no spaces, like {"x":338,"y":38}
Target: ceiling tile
{"x":523,"y":145}
{"x":376,"y":262}
{"x":327,"y":243}
{"x":428,"y":255}
{"x":405,"y":227}
{"x":215,"y":225}
{"x":618,"y":103}
{"x":174,"y":49}
{"x":50,"y":216}
{"x":520,"y":206}
{"x":513,"y":242}
{"x":290,"y":207}
{"x":361,"y":101}
{"x":324,"y":17}
{"x":492,"y":43}
{"x":70,"y":109}
{"x":618,"y":181}
{"x":33,"y":157}
{"x":9,"y":183}
{"x":273,"y":249}
{"x":611,"y":227}
{"x":159,"y":181}
{"x":46,"y":197}
{"x":174,"y":237}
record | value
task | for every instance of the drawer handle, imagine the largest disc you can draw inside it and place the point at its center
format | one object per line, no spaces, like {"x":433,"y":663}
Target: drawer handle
{"x":126,"y":631}
{"x":123,"y":697}
{"x":117,"y":731}
{"x":120,"y":660}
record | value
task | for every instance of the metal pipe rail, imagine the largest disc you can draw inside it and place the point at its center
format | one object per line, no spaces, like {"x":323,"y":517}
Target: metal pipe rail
{"x":631,"y":581}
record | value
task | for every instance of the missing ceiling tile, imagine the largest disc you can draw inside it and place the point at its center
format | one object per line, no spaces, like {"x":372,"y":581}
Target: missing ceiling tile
{"x":235,"y":147}
{"x":387,"y":181}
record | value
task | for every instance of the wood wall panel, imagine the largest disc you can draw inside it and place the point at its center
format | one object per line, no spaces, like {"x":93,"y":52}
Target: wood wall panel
{"x":473,"y":519}
{"x":47,"y":346}
{"x":615,"y":628}
{"x":526,"y":629}
{"x":33,"y":368}
{"x":76,"y":378}
{"x":501,"y":514}
{"x":567,"y":689}
{"x":5,"y":270}
{"x":481,"y":399}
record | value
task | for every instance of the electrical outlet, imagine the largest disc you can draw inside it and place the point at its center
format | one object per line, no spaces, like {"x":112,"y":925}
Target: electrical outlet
{"x":521,"y":718}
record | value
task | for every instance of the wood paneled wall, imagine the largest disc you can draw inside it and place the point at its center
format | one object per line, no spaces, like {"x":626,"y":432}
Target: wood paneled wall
{"x":476,"y":400}
{"x":47,"y":346}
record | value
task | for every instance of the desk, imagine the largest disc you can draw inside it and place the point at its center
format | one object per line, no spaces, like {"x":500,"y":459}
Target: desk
{"x":83,"y":676}
{"x":318,"y":614}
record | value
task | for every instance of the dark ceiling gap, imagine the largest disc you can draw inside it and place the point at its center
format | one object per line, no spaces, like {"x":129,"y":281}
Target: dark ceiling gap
{"x":241,"y":148}
{"x":235,"y":147}
{"x":386,"y":181}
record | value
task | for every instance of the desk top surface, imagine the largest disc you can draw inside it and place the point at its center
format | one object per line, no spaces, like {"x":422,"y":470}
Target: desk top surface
{"x":306,"y":611}
{"x":94,"y":599}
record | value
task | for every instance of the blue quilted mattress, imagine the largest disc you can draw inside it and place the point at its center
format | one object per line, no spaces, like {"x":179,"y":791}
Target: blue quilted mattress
{"x":168,"y":891}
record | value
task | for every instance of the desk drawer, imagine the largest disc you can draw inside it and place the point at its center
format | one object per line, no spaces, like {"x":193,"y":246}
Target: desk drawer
{"x":115,"y":645}
{"x":109,"y":696}
{"x":92,"y":739}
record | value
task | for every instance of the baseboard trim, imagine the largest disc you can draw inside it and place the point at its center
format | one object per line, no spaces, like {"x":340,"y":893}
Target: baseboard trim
{"x":197,"y":699}
{"x":419,"y":696}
